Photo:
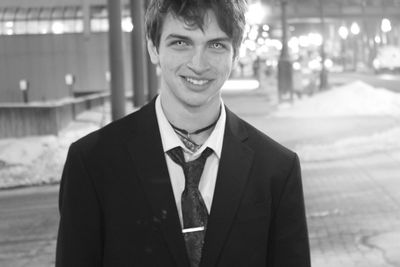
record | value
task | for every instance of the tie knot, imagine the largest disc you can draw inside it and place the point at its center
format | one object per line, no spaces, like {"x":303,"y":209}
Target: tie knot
{"x":192,"y":169}
{"x":176,"y":154}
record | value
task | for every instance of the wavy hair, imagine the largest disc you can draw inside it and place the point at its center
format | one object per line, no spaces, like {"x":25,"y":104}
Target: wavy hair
{"x":229,"y":14}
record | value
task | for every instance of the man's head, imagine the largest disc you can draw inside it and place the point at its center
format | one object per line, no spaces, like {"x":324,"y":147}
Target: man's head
{"x":194,"y":45}
{"x":229,"y":14}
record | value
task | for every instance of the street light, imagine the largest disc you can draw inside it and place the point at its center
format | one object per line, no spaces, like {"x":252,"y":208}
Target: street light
{"x":386,"y":27}
{"x":285,"y":71}
{"x":24,"y":86}
{"x":355,"y":30}
{"x":343,"y":33}
{"x":69,"y":81}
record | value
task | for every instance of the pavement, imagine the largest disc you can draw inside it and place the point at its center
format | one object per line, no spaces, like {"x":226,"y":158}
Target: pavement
{"x":351,"y":179}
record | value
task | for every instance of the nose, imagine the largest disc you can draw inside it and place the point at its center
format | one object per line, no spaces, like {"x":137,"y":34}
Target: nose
{"x":198,"y":62}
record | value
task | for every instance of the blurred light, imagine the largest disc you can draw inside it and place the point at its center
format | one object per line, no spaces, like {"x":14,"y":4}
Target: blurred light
{"x":10,"y":32}
{"x":343,"y":32}
{"x":108,"y":76}
{"x":256,"y":13}
{"x":242,"y":51}
{"x":304,"y":41}
{"x":250,"y":44}
{"x":253,"y":34}
{"x":296,"y":65}
{"x":315,"y":39}
{"x":277,"y":44}
{"x":57,"y":28}
{"x":127,"y":25}
{"x":386,"y":26}
{"x":355,"y":29}
{"x":247,"y":28}
{"x":265,"y":27}
{"x":328,"y":63}
{"x":260,"y":41}
{"x":314,"y":64}
{"x":240,"y":85}
{"x":9,"y":24}
{"x":378,"y":39}
{"x":265,"y":34}
{"x":294,"y":44}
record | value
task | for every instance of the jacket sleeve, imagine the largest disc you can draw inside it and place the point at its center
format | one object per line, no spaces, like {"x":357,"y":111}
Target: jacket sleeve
{"x":289,"y":244}
{"x":79,"y":241}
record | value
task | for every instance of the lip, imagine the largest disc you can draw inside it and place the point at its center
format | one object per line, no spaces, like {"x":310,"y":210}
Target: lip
{"x":197,"y":82}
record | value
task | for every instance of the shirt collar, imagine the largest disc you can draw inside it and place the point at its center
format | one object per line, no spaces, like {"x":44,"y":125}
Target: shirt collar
{"x":171,"y":140}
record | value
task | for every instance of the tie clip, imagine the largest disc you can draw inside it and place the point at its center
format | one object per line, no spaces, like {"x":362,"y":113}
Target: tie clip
{"x":195,"y":229}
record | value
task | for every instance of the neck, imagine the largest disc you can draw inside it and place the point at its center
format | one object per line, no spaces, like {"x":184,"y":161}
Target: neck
{"x":191,"y":118}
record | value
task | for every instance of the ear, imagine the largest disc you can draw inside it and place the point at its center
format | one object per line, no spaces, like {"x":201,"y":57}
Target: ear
{"x":152,"y":52}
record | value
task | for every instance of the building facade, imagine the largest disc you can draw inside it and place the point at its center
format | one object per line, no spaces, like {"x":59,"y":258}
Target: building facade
{"x":56,"y":48}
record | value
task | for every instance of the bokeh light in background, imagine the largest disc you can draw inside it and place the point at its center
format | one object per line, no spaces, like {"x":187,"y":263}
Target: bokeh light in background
{"x":355,"y":28}
{"x":343,"y":32}
{"x":386,"y":26}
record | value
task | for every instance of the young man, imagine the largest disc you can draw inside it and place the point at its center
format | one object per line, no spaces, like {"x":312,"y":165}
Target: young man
{"x":184,"y":181}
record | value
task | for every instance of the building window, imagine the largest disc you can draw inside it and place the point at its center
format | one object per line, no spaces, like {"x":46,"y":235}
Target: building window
{"x":99,"y":19}
{"x":57,"y":20}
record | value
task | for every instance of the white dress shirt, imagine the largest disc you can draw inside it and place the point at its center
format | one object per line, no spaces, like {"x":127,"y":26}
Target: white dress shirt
{"x":171,"y":140}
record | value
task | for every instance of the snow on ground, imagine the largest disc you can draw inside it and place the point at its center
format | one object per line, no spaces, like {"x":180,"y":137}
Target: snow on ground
{"x":354,"y":99}
{"x":38,"y":159}
{"x":351,"y":147}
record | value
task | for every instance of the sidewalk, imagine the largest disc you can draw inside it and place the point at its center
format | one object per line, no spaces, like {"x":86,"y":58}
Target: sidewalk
{"x":351,"y":177}
{"x":350,"y":164}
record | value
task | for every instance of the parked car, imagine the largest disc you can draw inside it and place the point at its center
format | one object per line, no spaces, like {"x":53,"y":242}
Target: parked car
{"x":387,"y":59}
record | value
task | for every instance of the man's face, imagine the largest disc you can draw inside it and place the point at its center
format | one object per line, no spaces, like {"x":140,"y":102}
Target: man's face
{"x":194,"y":63}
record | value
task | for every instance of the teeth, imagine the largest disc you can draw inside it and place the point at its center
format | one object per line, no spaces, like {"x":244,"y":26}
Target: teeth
{"x":196,"y":82}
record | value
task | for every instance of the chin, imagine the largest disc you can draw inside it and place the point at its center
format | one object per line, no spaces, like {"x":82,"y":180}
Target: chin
{"x":196,"y":101}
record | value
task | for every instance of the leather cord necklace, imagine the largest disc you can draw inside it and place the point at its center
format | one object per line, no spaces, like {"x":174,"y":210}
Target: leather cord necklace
{"x":186,"y":135}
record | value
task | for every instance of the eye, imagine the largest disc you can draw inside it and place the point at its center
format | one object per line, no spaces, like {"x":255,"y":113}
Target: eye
{"x":217,"y":46}
{"x":180,"y":43}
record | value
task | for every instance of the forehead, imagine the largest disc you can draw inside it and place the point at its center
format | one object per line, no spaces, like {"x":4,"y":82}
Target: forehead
{"x":176,"y":25}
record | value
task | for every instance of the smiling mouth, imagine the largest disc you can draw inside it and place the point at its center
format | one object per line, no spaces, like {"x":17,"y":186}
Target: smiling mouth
{"x":196,"y":81}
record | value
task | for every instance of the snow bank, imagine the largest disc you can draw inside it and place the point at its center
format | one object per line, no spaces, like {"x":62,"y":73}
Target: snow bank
{"x":354,"y":99}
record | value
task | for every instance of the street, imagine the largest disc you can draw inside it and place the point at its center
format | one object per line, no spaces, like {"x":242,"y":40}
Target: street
{"x":351,"y":169}
{"x":28,"y":227}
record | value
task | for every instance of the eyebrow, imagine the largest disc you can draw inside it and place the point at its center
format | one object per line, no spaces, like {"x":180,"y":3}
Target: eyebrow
{"x":183,"y":37}
{"x":177,"y":36}
{"x":222,"y":39}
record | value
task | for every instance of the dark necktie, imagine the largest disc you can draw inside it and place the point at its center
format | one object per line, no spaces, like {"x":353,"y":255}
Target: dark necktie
{"x":194,"y":210}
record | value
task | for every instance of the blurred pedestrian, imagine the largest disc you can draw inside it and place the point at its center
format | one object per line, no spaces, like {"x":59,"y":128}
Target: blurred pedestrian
{"x":184,"y":181}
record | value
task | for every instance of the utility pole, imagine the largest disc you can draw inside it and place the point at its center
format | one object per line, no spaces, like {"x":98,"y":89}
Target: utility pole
{"x":116,"y":60}
{"x":323,"y":84}
{"x":139,"y":52}
{"x":285,"y":71}
{"x":152,"y":74}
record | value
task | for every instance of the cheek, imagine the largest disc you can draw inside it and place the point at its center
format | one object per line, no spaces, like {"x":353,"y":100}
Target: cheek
{"x":170,"y":62}
{"x":222,"y":64}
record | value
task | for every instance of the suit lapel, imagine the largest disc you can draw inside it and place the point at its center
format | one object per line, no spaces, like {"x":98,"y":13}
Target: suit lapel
{"x":147,"y":153}
{"x":234,"y":167}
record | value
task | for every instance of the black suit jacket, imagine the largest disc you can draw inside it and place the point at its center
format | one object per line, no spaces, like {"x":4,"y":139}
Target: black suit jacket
{"x":117,"y":205}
